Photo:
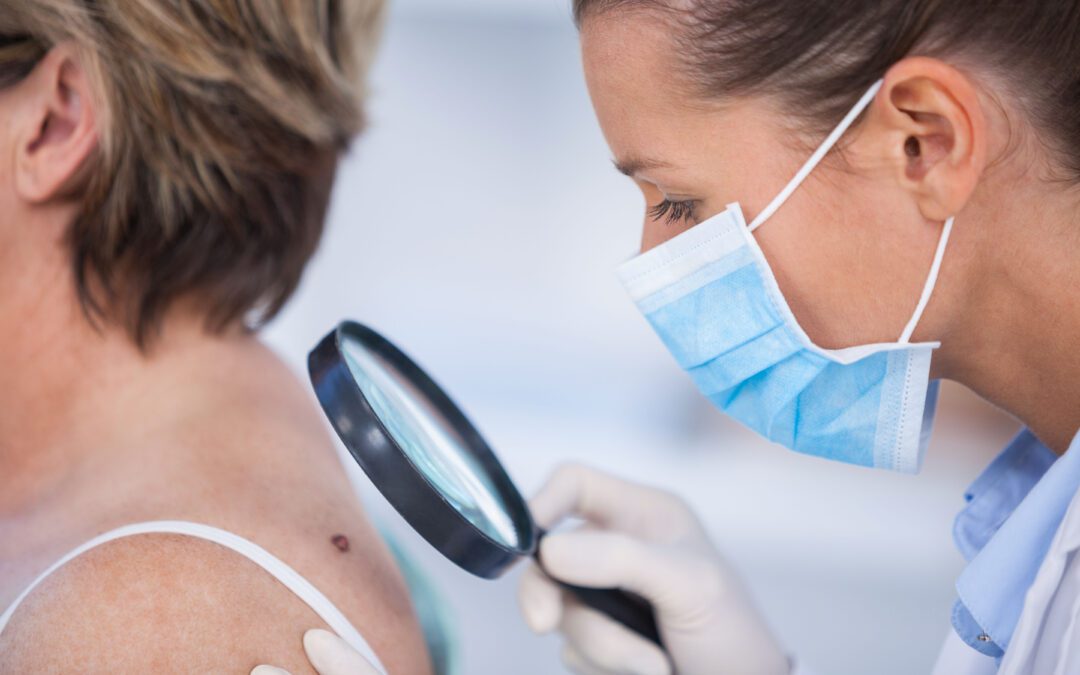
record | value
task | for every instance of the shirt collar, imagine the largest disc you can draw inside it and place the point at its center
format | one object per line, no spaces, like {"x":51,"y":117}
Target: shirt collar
{"x":1014,"y":509}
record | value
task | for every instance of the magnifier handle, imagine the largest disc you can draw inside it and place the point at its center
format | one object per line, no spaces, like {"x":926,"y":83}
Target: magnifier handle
{"x":629,"y":609}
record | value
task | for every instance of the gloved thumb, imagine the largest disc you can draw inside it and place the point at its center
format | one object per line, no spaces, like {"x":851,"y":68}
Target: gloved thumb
{"x":330,"y":655}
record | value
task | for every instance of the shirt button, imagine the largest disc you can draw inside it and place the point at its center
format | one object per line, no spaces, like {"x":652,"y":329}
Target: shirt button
{"x":983,"y":637}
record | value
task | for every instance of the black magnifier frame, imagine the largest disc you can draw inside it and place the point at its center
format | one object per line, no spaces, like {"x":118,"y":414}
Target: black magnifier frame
{"x":412,"y":493}
{"x":395,"y":475}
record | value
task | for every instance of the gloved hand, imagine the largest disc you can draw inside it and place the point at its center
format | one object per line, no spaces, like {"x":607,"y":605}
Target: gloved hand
{"x":647,"y":541}
{"x":329,"y":655}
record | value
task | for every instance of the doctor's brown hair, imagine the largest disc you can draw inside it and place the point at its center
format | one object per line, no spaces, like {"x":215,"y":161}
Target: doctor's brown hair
{"x":816,"y":57}
{"x":221,"y":125}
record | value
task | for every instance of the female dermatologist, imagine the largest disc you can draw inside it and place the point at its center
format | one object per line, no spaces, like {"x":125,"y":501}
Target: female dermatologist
{"x":847,"y":201}
{"x":817,"y":303}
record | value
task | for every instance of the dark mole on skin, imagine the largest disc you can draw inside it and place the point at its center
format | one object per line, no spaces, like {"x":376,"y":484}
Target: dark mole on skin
{"x":341,"y":542}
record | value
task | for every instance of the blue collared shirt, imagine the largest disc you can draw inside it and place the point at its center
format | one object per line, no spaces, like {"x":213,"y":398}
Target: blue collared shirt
{"x":1013,"y":510}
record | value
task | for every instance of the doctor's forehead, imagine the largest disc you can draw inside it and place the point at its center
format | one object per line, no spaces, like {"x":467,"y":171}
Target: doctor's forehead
{"x":642,"y":100}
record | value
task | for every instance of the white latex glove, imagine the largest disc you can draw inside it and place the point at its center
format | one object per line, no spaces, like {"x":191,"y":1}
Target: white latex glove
{"x":646,"y":541}
{"x":329,"y":655}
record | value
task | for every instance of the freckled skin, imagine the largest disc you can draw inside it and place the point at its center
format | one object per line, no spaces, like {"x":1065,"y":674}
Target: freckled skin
{"x":239,"y":445}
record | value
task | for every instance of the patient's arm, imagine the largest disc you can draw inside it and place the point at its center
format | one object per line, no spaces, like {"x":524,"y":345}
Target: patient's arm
{"x":159,"y":604}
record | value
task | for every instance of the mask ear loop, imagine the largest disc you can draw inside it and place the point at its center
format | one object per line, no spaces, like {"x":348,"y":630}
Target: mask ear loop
{"x":811,"y":164}
{"x":818,"y":155}
{"x":931,"y":282}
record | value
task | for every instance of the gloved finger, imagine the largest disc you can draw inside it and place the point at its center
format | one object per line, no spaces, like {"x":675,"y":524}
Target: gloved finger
{"x":611,"y":502}
{"x":578,"y":664}
{"x":610,"y":646}
{"x":672,"y":581}
{"x":330,"y":655}
{"x":268,"y":670}
{"x":540,"y":599}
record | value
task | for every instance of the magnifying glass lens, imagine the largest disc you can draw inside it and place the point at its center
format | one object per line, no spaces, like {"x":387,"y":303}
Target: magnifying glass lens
{"x":430,"y":442}
{"x":432,"y":465}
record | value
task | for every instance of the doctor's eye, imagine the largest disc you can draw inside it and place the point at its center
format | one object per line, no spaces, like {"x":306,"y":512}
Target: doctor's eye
{"x":673,"y":212}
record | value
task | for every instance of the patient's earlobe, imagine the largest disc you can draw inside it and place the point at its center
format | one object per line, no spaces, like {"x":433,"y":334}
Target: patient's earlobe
{"x":935,"y":132}
{"x":58,"y":131}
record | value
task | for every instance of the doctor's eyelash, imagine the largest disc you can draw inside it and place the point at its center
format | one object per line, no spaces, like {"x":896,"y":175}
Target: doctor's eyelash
{"x":673,"y":212}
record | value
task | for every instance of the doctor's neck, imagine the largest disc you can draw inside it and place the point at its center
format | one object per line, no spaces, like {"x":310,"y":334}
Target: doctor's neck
{"x":1011,"y":283}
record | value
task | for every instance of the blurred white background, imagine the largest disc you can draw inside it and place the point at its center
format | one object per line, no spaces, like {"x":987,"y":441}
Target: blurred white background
{"x":477,"y":224}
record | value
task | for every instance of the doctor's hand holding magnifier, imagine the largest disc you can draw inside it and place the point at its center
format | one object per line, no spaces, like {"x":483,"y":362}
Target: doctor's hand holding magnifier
{"x":647,"y":541}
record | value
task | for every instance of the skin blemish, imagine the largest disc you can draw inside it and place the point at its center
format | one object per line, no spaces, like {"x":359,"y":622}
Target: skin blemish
{"x":341,"y":542}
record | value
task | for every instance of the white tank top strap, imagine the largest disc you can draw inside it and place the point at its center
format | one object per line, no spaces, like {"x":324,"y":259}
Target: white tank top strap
{"x":289,"y":577}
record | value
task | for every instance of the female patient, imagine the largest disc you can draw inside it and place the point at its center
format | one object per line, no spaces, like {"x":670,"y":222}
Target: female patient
{"x":165,"y":167}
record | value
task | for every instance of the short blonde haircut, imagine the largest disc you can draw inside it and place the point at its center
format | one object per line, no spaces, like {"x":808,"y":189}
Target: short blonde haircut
{"x":221,"y":125}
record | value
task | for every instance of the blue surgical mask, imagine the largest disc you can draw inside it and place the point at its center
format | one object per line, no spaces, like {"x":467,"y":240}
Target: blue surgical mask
{"x":710,"y":295}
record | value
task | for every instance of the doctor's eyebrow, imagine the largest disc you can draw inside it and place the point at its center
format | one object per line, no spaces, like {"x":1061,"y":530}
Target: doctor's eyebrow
{"x":633,"y":165}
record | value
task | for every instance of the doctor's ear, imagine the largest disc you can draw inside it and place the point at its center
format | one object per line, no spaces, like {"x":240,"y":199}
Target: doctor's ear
{"x":56,"y":128}
{"x":934,"y":130}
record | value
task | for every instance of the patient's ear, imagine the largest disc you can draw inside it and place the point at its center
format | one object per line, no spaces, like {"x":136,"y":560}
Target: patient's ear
{"x":56,"y":131}
{"x":934,"y":131}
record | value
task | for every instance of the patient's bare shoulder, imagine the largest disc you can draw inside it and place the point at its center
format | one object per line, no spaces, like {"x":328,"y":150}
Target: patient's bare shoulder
{"x":272,"y":476}
{"x":249,"y":454}
{"x":157,"y":603}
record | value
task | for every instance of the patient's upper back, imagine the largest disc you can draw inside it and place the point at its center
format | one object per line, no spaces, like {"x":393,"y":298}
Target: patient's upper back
{"x":253,"y":458}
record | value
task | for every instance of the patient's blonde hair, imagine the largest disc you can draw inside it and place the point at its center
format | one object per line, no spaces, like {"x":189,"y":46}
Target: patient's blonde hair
{"x":221,"y":125}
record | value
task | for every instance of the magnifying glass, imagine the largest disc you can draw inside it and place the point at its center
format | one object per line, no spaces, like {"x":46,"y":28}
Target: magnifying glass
{"x":432,"y":465}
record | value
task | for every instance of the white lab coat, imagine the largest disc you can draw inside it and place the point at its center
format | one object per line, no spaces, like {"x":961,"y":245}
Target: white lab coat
{"x":1047,"y":637}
